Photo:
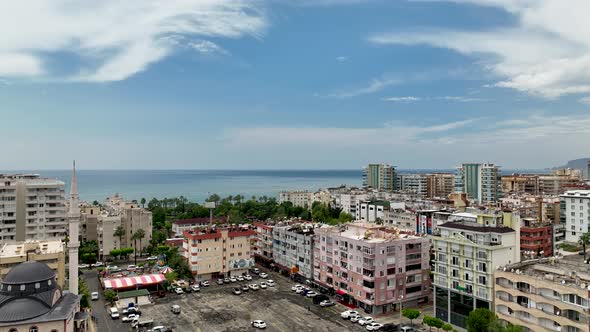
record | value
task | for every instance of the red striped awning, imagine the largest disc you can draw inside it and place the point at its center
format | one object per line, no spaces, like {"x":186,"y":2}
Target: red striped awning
{"x":148,"y":279}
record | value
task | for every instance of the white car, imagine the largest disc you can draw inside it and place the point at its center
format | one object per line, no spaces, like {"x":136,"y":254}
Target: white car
{"x":240,"y":278}
{"x":152,"y":258}
{"x":366,"y":320}
{"x":131,"y":267}
{"x":178,"y":290}
{"x":195,"y":288}
{"x":233,"y":279}
{"x":94,"y":296}
{"x":355,"y":318}
{"x":348,"y":313}
{"x":270,"y":283}
{"x":300,"y":290}
{"x":373,"y":326}
{"x":327,"y":303}
{"x":248,"y":277}
{"x":259,"y":324}
{"x":205,"y":283}
{"x":82,"y":266}
{"x":263,"y":285}
{"x":129,"y":318}
{"x":263,"y":275}
{"x":296,"y":287}
{"x":253,"y":286}
{"x":98,"y":264}
{"x":311,"y":294}
{"x":112,"y":267}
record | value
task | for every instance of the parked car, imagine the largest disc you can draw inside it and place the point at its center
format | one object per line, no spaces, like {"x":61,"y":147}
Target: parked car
{"x":131,"y":267}
{"x":346,"y":314}
{"x":129,"y":318}
{"x":152,"y":258}
{"x":259,"y":324}
{"x":270,"y":283}
{"x":141,"y":323}
{"x":160,"y":328}
{"x":236,"y":291}
{"x":226,"y":280}
{"x":97,"y":264}
{"x":300,"y":291}
{"x":373,"y":326}
{"x":195,"y":288}
{"x":114,"y":313}
{"x":220,"y":281}
{"x":391,"y":327}
{"x":253,"y":287}
{"x":355,"y":318}
{"x":131,"y":310}
{"x":311,"y":294}
{"x":327,"y":303}
{"x":82,"y":266}
{"x":320,"y":298}
{"x":263,"y":275}
{"x":112,"y":267}
{"x":248,"y":277}
{"x":233,"y":279}
{"x":178,"y":290}
{"x":296,"y":287}
{"x":240,"y":278}
{"x":245,"y":288}
{"x":175,"y":309}
{"x":263,"y":285}
{"x":407,"y":329}
{"x":366,"y":320}
{"x":255,"y":270}
{"x":94,"y":296}
{"x":205,"y":283}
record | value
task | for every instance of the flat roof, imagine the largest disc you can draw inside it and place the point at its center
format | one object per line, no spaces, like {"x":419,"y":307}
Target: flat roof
{"x":21,"y":248}
{"x":133,"y":293}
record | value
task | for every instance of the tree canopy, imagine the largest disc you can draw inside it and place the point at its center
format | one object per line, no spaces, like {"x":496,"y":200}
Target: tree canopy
{"x":479,"y":320}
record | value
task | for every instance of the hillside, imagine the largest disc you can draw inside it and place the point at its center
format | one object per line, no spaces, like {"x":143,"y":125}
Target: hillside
{"x":581,"y":164}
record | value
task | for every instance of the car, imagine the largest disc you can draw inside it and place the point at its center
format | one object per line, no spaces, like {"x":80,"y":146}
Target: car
{"x":296,"y":287}
{"x":205,"y":283}
{"x":152,"y":258}
{"x":175,"y":308}
{"x":240,"y":278}
{"x":245,"y":288}
{"x":178,"y":290}
{"x":237,"y":291}
{"x":233,"y":279}
{"x":255,"y":270}
{"x":373,"y":326}
{"x":160,"y":328}
{"x":132,"y":267}
{"x":263,"y":285}
{"x":263,"y":275}
{"x":327,"y":303}
{"x":97,"y":264}
{"x":131,"y":310}
{"x":304,"y":291}
{"x":220,"y":281}
{"x":129,"y":318}
{"x":94,"y":296}
{"x":355,"y":318}
{"x":83,"y":266}
{"x":226,"y":280}
{"x":311,"y":294}
{"x":114,"y":313}
{"x":366,"y":320}
{"x":195,"y":288}
{"x":391,"y":327}
{"x":407,"y":329}
{"x":112,"y":267}
{"x":248,"y":277}
{"x":259,"y":324}
{"x":300,"y":291}
{"x":253,"y":286}
{"x":346,"y":314}
{"x":270,"y":283}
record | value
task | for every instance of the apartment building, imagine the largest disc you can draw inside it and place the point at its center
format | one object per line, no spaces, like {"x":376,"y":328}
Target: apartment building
{"x":414,"y":183}
{"x":262,"y":247}
{"x":215,"y":252}
{"x":89,"y":222}
{"x":481,"y":182}
{"x":372,"y":211}
{"x":440,"y":184}
{"x":520,"y":184}
{"x":536,"y":238}
{"x":31,"y":208}
{"x":133,"y":218}
{"x":466,"y":253}
{"x":302,"y":198}
{"x":350,"y":203}
{"x":577,"y":214}
{"x":401,"y":218}
{"x":50,"y":253}
{"x":558,"y":180}
{"x":373,"y":267}
{"x":292,"y":249}
{"x":181,"y":225}
{"x":379,"y":177}
{"x":545,"y":294}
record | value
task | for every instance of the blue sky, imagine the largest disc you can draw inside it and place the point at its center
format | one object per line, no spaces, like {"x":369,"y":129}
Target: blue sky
{"x":331,"y":84}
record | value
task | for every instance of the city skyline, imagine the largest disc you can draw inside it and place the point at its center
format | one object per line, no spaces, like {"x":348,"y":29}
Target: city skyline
{"x":324,"y":84}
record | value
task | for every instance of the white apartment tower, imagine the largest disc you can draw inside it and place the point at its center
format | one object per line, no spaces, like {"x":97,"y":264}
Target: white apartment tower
{"x":74,"y":229}
{"x":31,"y":208}
{"x":481,"y":182}
{"x":577,"y":214}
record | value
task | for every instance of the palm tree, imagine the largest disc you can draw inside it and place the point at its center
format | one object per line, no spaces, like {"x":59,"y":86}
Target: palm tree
{"x":143,"y":202}
{"x":140,"y":234}
{"x":584,"y":240}
{"x":135,"y":237}
{"x":119,"y":232}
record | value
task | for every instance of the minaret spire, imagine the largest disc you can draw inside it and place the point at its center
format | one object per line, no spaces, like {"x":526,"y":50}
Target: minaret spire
{"x":74,"y":229}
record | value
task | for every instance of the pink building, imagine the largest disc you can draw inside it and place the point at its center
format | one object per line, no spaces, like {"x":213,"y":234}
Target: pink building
{"x":262,"y":244}
{"x":372,"y":267}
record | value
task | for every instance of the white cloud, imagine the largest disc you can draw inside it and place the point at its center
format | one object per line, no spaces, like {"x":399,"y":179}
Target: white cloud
{"x":342,"y":58}
{"x":375,"y":85}
{"x":461,"y":99}
{"x":585,"y":100}
{"x":402,"y":99}
{"x":446,"y":98}
{"x":543,"y":54}
{"x":207,"y":47}
{"x":115,"y":39}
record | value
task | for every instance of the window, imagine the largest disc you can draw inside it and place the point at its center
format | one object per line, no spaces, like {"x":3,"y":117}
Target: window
{"x":33,"y":329}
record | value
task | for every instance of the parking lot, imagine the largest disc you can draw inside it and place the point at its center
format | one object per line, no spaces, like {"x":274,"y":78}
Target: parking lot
{"x":216,"y":309}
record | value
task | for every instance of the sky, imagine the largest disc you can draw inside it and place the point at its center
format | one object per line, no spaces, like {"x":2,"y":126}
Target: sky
{"x":293,"y":84}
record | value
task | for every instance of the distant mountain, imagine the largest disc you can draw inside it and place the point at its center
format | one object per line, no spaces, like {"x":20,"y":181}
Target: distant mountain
{"x":581,"y":164}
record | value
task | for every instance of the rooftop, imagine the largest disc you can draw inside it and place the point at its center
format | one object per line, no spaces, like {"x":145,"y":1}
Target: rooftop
{"x":368,"y":232}
{"x":199,"y":221}
{"x":577,"y":193}
{"x":470,"y":226}
{"x":40,"y":247}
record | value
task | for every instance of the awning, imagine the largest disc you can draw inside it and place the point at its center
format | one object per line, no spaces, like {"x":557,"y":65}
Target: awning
{"x":144,"y":280}
{"x":340,"y":292}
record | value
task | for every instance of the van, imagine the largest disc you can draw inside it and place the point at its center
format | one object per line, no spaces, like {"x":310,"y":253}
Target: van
{"x":175,"y":309}
{"x":114,"y":313}
{"x":142,"y":323}
{"x":94,"y":296}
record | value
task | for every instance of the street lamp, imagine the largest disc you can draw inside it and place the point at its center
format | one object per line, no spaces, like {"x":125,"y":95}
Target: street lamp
{"x":401,"y":303}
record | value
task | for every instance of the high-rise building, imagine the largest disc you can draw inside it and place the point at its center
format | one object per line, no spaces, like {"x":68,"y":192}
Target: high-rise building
{"x":133,"y":218}
{"x":481,"y":182}
{"x":466,"y":254}
{"x":440,"y":185}
{"x":577,"y":214}
{"x":555,"y":183}
{"x":31,"y":208}
{"x":292,"y":249}
{"x":520,"y":183}
{"x":414,"y":183}
{"x":379,"y":176}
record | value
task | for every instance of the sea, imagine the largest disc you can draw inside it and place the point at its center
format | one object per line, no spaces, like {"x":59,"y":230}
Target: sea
{"x":197,"y":185}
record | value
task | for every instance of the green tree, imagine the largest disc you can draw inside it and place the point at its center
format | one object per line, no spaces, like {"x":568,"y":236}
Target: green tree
{"x":143,"y":202}
{"x":320,"y":212}
{"x":84,"y":292}
{"x":584,"y":240}
{"x":115,"y":253}
{"x":433,"y":322}
{"x":126,"y":252}
{"x":447,"y":327}
{"x":119,"y":232}
{"x":479,"y":320}
{"x":171,"y":276}
{"x":411,"y":314}
{"x":110,"y":296}
{"x":140,"y":234}
{"x":88,"y":258}
{"x":213,"y":198}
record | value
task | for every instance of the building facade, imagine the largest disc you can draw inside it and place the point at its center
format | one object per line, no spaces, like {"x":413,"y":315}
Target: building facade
{"x":215,"y":252}
{"x":292,"y":248}
{"x":372,"y":267}
{"x":302,"y":198}
{"x":521,"y":184}
{"x":466,"y":254}
{"x":440,"y":185}
{"x":379,"y":176}
{"x":50,"y":253}
{"x":577,"y":214}
{"x":31,"y":208}
{"x":536,"y":239}
{"x":414,"y":183}
{"x":133,"y":218}
{"x":263,"y":243}
{"x":481,"y":182}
